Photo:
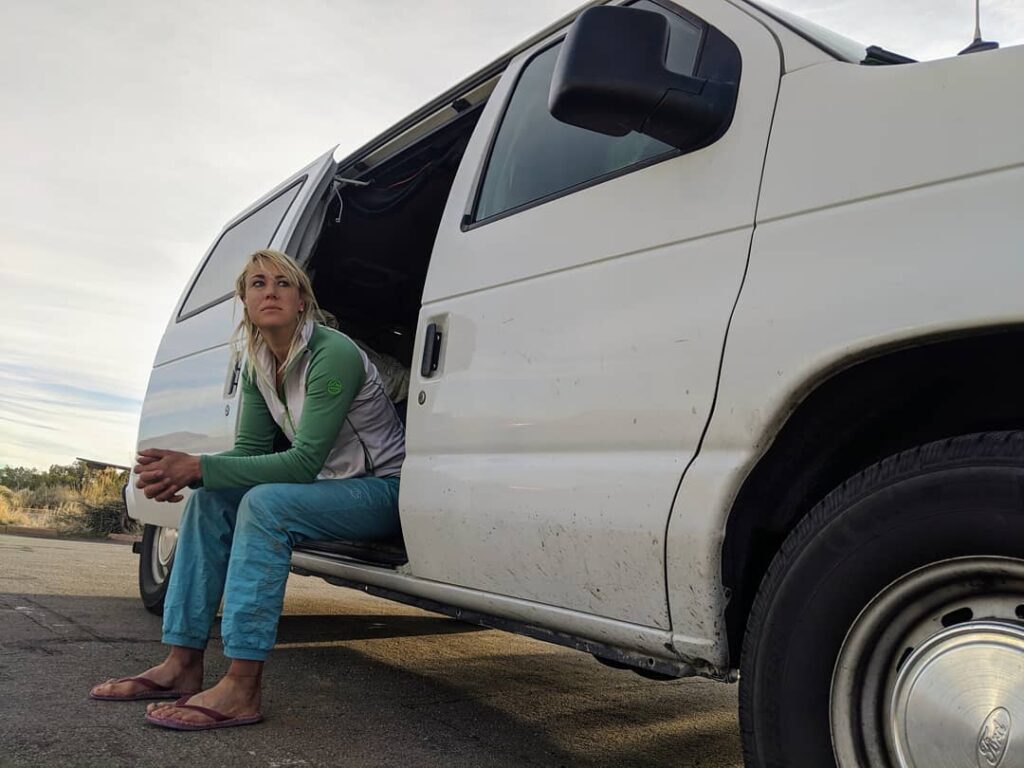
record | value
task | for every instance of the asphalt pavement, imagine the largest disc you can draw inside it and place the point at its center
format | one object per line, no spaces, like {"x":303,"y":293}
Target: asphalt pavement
{"x":353,"y":681}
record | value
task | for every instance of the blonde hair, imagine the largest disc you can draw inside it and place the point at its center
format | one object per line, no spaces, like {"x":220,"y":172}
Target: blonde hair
{"x":247,"y":337}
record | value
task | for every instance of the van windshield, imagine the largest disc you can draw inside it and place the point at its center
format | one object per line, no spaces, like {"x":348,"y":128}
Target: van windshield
{"x":841,"y":47}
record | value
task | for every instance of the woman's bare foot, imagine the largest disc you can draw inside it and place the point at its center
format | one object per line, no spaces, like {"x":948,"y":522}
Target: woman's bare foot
{"x":182,"y":670}
{"x":237,"y":694}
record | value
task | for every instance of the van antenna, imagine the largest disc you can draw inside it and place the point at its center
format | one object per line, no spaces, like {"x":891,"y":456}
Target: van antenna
{"x":978,"y":44}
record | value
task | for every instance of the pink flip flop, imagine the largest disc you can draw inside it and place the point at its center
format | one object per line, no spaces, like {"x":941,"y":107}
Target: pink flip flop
{"x":153,"y":691}
{"x":217,"y":719}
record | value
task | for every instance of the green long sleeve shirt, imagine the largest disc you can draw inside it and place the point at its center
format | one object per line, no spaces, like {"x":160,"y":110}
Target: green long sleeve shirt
{"x":334,"y":377}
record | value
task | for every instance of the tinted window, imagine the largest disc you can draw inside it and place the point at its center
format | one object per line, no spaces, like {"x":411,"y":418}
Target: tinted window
{"x":217,"y":279}
{"x":535,"y":155}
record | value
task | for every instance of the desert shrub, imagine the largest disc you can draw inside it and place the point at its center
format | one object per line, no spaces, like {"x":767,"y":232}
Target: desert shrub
{"x":104,"y":518}
{"x":7,"y":505}
{"x":103,"y":487}
{"x":47,"y":496}
{"x":10,"y":512}
{"x":66,"y":517}
{"x":11,"y":516}
{"x":85,"y":519}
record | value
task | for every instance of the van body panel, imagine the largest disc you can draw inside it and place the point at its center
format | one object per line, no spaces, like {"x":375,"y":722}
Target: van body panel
{"x":190,"y":403}
{"x":845,"y":263}
{"x":543,"y":448}
{"x":894,"y":128}
{"x":185,"y":408}
{"x":551,"y":441}
{"x":198,"y":333}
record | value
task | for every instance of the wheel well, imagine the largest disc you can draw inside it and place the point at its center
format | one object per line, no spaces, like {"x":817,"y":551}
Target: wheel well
{"x":856,"y":417}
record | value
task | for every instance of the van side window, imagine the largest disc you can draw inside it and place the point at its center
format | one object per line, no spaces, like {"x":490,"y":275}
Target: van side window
{"x":216,"y":280}
{"x":534,"y":156}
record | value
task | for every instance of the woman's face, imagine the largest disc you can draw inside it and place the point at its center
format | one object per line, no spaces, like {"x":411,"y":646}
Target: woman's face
{"x":271,"y":298}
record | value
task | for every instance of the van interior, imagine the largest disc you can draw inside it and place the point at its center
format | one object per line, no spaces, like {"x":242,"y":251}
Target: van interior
{"x":369,"y":246}
{"x":370,"y":257}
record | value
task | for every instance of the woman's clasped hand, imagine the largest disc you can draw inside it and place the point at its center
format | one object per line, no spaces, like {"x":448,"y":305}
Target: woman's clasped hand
{"x":160,"y":473}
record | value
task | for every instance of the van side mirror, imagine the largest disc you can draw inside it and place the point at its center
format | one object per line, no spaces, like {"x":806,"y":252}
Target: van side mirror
{"x":611,"y":78}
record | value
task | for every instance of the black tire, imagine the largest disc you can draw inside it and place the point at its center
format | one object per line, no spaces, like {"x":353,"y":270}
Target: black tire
{"x":154,"y":569}
{"x":957,"y":498}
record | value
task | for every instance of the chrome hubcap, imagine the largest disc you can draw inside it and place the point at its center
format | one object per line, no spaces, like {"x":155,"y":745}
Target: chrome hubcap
{"x":163,"y":553}
{"x":931,"y":674}
{"x":959,"y":699}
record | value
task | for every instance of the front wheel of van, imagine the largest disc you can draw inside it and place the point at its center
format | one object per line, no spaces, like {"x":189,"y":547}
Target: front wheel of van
{"x":889,"y":629}
{"x":155,"y":561}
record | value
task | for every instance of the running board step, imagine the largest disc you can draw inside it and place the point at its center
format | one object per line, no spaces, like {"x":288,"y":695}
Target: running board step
{"x":390,"y":554}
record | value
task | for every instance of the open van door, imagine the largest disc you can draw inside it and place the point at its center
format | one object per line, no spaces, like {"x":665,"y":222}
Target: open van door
{"x":192,"y":400}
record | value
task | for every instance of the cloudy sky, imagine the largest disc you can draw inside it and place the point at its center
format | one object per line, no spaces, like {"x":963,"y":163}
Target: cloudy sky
{"x":131,"y":130}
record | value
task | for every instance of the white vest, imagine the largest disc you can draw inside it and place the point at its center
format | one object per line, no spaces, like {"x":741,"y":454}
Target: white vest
{"x":372,"y":439}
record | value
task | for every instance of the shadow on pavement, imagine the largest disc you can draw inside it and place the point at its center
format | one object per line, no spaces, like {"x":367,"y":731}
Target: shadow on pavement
{"x":360,"y":689}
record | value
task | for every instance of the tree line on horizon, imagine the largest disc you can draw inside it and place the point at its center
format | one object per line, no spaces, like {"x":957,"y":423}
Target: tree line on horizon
{"x":74,"y":476}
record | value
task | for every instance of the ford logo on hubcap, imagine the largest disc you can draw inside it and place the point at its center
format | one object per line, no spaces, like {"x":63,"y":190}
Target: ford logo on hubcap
{"x":994,"y":736}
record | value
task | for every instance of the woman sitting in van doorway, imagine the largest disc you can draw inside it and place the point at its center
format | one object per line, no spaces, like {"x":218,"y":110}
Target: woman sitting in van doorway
{"x":339,"y":480}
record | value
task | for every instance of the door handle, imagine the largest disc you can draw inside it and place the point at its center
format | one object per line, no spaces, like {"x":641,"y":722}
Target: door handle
{"x":431,"y":351}
{"x":233,"y":376}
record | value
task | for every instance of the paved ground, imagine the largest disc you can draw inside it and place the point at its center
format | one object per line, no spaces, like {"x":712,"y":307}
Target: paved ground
{"x":354,"y":681}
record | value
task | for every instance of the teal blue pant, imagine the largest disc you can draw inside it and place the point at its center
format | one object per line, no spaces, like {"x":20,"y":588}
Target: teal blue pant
{"x":237,"y":543}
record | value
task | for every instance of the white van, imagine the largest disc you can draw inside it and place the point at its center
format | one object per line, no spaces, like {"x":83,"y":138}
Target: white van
{"x":717,"y":373}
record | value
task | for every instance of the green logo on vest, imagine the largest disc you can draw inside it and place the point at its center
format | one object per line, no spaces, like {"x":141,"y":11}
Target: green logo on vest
{"x":334,"y":387}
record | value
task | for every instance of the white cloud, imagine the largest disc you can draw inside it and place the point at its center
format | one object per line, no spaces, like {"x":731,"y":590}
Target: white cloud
{"x":43,"y":422}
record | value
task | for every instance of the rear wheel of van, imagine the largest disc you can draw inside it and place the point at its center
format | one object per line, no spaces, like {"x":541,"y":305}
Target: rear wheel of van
{"x":156,"y":557}
{"x":889,"y":629}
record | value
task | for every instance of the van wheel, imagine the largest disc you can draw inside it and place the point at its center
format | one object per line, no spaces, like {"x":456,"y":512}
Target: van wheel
{"x":155,"y":561}
{"x":889,"y":629}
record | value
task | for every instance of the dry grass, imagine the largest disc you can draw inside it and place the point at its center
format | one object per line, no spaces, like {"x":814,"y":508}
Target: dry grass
{"x":96,"y":510}
{"x":47,"y":497}
{"x":13,"y":517}
{"x":9,"y":514}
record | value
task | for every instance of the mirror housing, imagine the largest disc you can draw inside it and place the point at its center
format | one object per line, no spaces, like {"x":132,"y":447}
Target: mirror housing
{"x":611,"y":78}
